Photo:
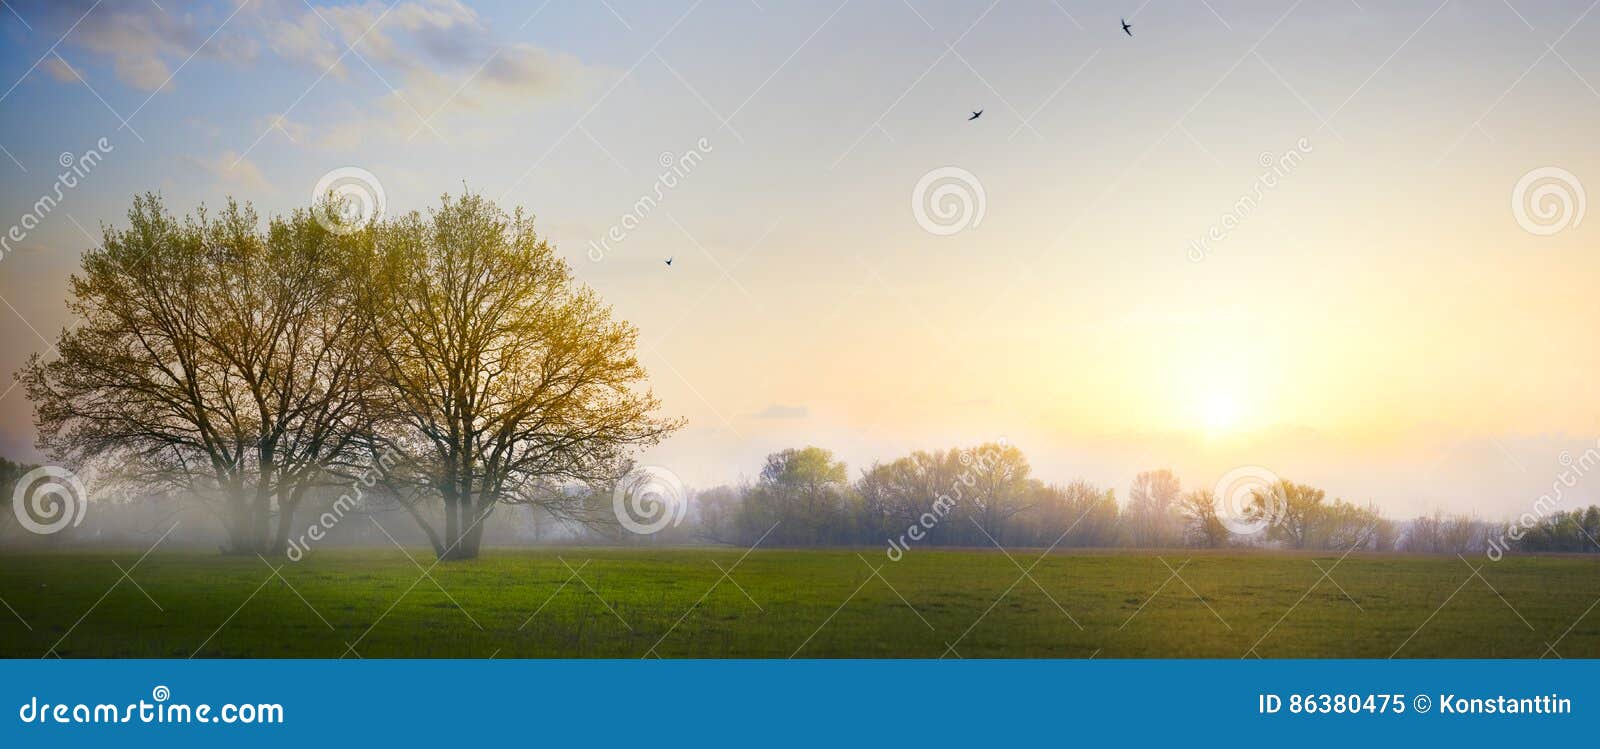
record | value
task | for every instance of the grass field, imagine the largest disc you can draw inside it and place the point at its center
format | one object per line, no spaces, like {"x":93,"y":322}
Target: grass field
{"x":814,"y":603}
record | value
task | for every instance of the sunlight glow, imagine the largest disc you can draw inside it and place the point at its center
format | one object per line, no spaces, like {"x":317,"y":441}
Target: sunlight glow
{"x":1220,"y":412}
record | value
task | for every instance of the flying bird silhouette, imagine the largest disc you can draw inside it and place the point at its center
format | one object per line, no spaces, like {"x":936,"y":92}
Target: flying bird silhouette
{"x":669,"y":261}
{"x":1126,"y":29}
{"x":975,"y":115}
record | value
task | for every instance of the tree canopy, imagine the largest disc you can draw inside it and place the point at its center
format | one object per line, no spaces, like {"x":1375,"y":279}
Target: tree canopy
{"x":246,"y":365}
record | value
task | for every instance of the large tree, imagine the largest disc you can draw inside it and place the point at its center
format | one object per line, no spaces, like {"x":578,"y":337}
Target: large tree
{"x":1000,"y":489}
{"x":1153,"y":520}
{"x":504,"y":380}
{"x":1202,"y":519}
{"x":896,"y":494}
{"x":212,"y":358}
{"x":1076,"y":515}
{"x":1291,"y":512}
{"x":803,"y":496}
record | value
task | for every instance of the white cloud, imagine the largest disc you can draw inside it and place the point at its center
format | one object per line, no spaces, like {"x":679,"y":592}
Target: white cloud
{"x":143,"y":42}
{"x":439,"y":56}
{"x":436,"y":58}
{"x":426,"y":48}
{"x":303,"y":39}
{"x":781,"y":411}
{"x":59,"y":70}
{"x":233,"y":173}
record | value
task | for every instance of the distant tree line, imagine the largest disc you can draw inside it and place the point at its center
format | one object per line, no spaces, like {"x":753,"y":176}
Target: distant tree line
{"x":987,"y":495}
{"x":806,"y":497}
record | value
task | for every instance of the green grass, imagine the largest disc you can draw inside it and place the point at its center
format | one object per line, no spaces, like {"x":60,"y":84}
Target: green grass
{"x":814,"y":603}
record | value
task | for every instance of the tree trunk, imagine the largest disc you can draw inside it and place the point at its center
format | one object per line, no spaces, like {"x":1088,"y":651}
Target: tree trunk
{"x":243,"y":523}
{"x":427,"y":528}
{"x":286,"y":509}
{"x":452,"y":525}
{"x":472,"y":539}
{"x":249,"y":525}
{"x":236,"y":525}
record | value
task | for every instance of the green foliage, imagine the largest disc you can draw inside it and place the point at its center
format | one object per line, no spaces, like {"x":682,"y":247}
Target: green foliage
{"x":1203,"y":526}
{"x":501,"y":378}
{"x":243,"y":367}
{"x":986,"y":495}
{"x":1564,"y":530}
{"x":802,"y":497}
{"x":210,"y":357}
{"x":1299,"y":516}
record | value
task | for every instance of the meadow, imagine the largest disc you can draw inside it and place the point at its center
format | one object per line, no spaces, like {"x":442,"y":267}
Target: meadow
{"x":677,"y":603}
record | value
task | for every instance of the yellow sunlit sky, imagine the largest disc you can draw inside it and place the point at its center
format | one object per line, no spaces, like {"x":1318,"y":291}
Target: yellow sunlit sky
{"x":1385,"y":318}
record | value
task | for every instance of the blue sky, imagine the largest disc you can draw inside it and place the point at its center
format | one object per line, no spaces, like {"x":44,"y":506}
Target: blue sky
{"x":1379,"y":322}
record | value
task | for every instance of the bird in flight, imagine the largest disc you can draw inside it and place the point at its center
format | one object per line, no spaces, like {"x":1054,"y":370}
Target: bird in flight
{"x":669,"y":261}
{"x":975,"y":115}
{"x":1126,"y":29}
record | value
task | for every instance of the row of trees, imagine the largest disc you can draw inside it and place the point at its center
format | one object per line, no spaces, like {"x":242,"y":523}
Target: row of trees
{"x":250,"y":366}
{"x":803,"y":497}
{"x":1562,"y":531}
{"x":986,"y":495}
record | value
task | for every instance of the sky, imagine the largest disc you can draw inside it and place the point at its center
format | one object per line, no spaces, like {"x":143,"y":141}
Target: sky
{"x":1344,"y":241}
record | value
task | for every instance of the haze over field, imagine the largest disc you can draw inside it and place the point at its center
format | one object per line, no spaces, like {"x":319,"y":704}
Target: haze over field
{"x":1378,"y":323}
